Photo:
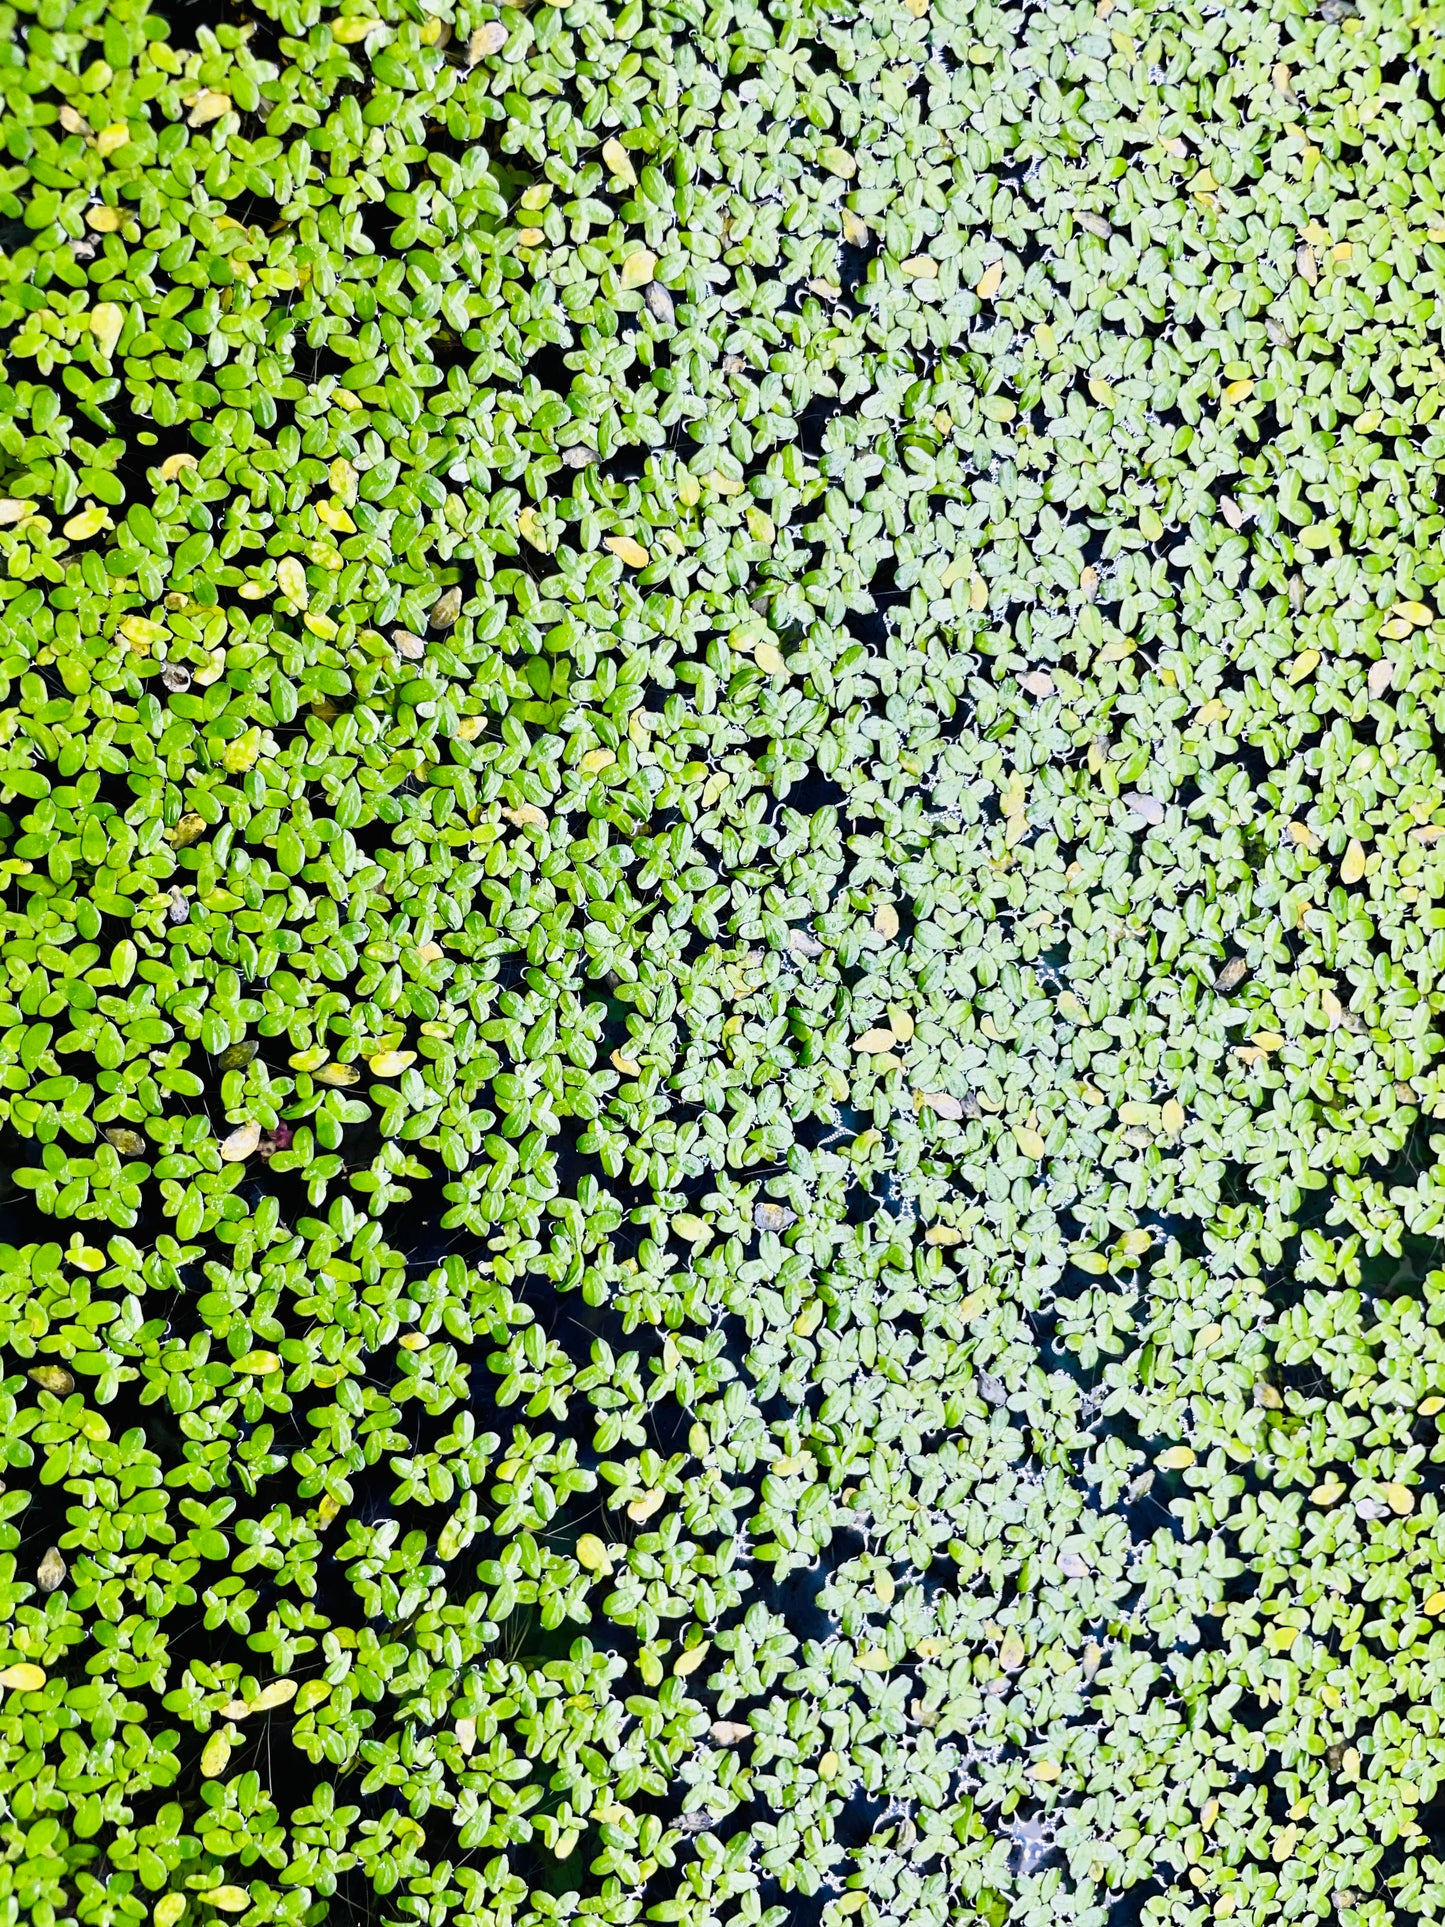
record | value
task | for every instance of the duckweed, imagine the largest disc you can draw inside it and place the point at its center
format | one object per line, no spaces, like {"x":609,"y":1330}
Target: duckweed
{"x":721,"y":816}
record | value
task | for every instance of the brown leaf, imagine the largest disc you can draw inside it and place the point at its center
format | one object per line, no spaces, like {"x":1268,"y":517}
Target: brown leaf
{"x":52,"y":1378}
{"x":942,"y":1105}
{"x":773,"y":1217}
{"x":486,"y":41}
{"x":446,"y":609}
{"x":51,"y":1571}
{"x":238,"y":1145}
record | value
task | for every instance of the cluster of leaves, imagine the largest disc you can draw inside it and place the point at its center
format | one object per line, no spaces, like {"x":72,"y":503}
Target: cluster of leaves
{"x":722,"y":797}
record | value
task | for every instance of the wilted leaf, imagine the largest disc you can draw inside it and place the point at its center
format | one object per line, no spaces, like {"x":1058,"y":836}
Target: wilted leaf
{"x":238,"y":1145}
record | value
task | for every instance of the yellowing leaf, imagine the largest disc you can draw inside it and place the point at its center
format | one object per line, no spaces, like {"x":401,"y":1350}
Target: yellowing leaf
{"x":169,"y":1908}
{"x":592,"y":1554}
{"x":618,"y":164}
{"x":1011,"y":1653}
{"x":90,"y":521}
{"x":638,"y":269}
{"x":291,"y":580}
{"x":597,"y":759}
{"x":1418,"y":614}
{"x":1353,"y":867}
{"x":1171,"y":1117}
{"x":1238,"y":391}
{"x":229,"y":1899}
{"x":872,"y":1660}
{"x":258,"y":1362}
{"x":390,"y":1063}
{"x":921,"y":267}
{"x":1046,"y":1770}
{"x":103,"y":220}
{"x":333,"y":516}
{"x":692,"y":1229}
{"x":1399,"y":1498}
{"x":977,"y":593}
{"x":23,"y":1678}
{"x":107,"y":319}
{"x":529,"y":527}
{"x":900,"y":1022}
{"x":215,"y":1756}
{"x":838,"y":161}
{"x":769,"y":658}
{"x":278,"y":1693}
{"x":885,"y":921}
{"x":626,"y":550}
{"x":990,"y":281}
{"x":207,"y":106}
{"x":829,"y":1766}
{"x":877,"y":1039}
{"x":1304,"y":664}
{"x":1434,"y":1605}
{"x":141,"y":634}
{"x":1030,"y":1142}
{"x":338,"y":1075}
{"x":1175,"y":1459}
{"x":1328,"y":1493}
{"x":689,"y":1660}
{"x":111,"y":139}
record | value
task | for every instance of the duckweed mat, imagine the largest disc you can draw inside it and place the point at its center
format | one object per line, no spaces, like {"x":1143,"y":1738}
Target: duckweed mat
{"x":720,"y":742}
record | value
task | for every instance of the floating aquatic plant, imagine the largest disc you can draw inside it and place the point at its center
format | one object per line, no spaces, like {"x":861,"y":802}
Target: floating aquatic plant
{"x":721,"y":816}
